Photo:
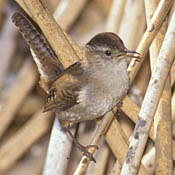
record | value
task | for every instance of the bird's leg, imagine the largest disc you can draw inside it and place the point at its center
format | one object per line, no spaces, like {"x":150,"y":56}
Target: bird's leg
{"x":83,"y":149}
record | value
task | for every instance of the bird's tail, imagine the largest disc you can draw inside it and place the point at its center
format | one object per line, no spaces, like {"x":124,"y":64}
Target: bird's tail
{"x":47,"y":62}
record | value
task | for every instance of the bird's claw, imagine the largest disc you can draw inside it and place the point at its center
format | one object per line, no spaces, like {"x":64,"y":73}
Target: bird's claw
{"x":83,"y":149}
{"x":85,"y":152}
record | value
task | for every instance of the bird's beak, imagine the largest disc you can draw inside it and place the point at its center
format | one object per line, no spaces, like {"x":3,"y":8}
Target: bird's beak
{"x":132,"y":54}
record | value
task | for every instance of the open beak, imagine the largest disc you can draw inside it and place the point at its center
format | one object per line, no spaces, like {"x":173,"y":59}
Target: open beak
{"x":132,"y":54}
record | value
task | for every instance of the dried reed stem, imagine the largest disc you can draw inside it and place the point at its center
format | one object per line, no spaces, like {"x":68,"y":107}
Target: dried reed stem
{"x":7,"y":40}
{"x":148,"y":161}
{"x":15,"y":147}
{"x":116,"y":169}
{"x":2,"y":3}
{"x":24,"y":82}
{"x":162,"y":119}
{"x":133,"y":19}
{"x":150,"y":103}
{"x":122,"y":143}
{"x":67,"y":11}
{"x":58,"y":152}
{"x":150,"y":33}
{"x":115,"y":16}
{"x":132,"y":111}
{"x":30,"y":106}
{"x":172,"y":74}
{"x":163,"y":133}
{"x":172,"y":105}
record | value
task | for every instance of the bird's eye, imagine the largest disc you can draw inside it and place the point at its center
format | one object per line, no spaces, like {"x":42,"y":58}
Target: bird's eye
{"x":108,"y":53}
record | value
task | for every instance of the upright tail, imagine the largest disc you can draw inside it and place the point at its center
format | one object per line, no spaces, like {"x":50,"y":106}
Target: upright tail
{"x":47,"y":62}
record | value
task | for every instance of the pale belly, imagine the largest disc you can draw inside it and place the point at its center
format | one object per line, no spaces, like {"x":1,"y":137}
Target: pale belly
{"x":98,"y":98}
{"x":100,"y":103}
{"x":93,"y":107}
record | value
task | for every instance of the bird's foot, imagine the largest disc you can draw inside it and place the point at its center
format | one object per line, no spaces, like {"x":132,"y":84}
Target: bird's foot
{"x":85,"y":152}
{"x":82,"y":149}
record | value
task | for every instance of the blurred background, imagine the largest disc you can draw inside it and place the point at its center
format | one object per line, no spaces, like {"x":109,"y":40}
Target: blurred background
{"x":24,"y":129}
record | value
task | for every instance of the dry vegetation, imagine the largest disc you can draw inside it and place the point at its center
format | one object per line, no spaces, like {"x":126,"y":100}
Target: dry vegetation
{"x":25,"y":131}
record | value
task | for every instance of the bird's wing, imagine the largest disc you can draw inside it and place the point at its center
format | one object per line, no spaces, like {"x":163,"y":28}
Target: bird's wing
{"x":64,"y":92}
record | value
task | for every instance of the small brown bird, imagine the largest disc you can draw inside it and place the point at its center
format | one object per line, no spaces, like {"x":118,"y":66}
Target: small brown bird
{"x":89,"y":88}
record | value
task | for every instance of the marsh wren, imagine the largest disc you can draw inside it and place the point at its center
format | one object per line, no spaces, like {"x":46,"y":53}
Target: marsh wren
{"x":89,"y":88}
{"x":93,"y":86}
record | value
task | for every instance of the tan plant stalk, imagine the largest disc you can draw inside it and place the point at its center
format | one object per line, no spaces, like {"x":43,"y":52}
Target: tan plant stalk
{"x":67,"y":11}
{"x":115,"y":16}
{"x":7,"y":39}
{"x":2,"y":3}
{"x":122,"y":144}
{"x":133,"y":19}
{"x":150,"y":33}
{"x":162,"y":118}
{"x":58,"y":152}
{"x":150,"y":103}
{"x":116,"y":169}
{"x":148,"y":161}
{"x":15,"y":147}
{"x":24,"y":82}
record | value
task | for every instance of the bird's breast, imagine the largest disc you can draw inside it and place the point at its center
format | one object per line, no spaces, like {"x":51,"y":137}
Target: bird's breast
{"x":105,"y":89}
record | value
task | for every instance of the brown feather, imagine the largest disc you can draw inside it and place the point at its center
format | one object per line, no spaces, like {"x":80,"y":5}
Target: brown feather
{"x":64,"y":92}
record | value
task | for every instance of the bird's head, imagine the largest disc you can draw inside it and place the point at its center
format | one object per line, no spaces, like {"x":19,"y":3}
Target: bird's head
{"x":108,"y":47}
